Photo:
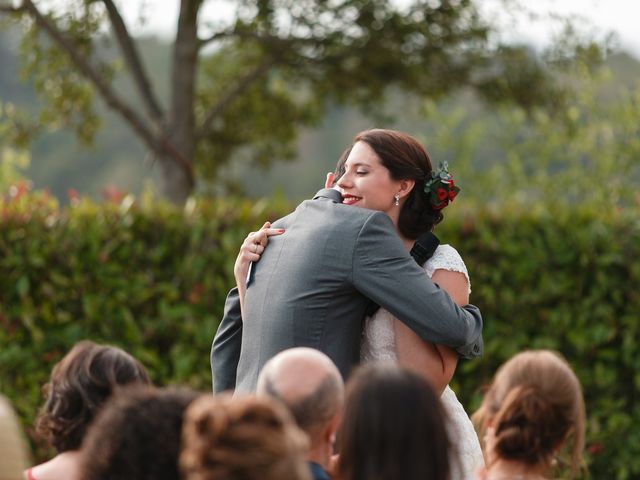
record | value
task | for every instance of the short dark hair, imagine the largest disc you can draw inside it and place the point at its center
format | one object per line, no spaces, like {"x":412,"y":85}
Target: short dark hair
{"x":406,"y":159}
{"x":78,"y":386}
{"x":394,"y":427}
{"x":137,"y":435}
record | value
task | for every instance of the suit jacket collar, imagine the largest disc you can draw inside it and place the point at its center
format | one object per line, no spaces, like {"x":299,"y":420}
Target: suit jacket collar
{"x":330,"y":194}
{"x":317,"y":472}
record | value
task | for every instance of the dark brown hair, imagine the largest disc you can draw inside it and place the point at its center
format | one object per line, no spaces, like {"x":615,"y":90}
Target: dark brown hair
{"x":394,"y":427}
{"x":227,"y":438}
{"x":79,"y":385}
{"x":406,"y":159}
{"x":533,"y":405}
{"x":136,"y":435}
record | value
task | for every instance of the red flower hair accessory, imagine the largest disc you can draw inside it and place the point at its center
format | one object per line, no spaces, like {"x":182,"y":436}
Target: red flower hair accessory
{"x":440,"y":187}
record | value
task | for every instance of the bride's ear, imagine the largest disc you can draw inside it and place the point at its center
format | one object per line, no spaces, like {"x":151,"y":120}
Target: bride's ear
{"x":406,"y":186}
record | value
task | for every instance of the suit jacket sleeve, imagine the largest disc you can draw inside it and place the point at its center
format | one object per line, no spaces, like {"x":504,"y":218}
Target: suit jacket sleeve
{"x":384,"y":272}
{"x":225,"y":351}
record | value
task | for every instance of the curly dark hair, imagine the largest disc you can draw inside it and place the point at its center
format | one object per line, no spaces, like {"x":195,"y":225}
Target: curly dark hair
{"x":405,"y":158}
{"x":136,"y":435}
{"x":79,"y":385}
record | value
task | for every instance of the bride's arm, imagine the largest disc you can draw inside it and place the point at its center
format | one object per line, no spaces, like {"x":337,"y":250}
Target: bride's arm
{"x":436,"y":363}
{"x":250,"y":251}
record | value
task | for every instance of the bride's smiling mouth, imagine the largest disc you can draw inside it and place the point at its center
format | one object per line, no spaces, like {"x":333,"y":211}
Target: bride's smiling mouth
{"x":348,"y":199}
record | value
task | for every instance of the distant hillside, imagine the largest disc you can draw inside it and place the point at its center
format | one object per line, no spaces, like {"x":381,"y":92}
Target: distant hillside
{"x":118,"y":158}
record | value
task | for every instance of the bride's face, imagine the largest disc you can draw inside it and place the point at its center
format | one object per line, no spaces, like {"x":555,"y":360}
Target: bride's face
{"x":367,"y":183}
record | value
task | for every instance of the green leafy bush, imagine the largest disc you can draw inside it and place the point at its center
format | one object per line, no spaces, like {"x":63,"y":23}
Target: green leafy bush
{"x":564,"y":279}
{"x":152,"y":279}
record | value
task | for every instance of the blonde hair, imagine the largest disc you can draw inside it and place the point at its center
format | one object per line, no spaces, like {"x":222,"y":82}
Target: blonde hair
{"x":534,"y":405}
{"x":227,"y":438}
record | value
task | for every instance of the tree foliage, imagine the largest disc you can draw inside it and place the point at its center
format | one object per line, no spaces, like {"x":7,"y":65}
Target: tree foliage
{"x":244,"y":86}
{"x":13,"y":161}
{"x":586,"y":152}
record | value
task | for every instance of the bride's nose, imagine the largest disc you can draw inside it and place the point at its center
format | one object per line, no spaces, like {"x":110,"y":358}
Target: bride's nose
{"x":344,"y":181}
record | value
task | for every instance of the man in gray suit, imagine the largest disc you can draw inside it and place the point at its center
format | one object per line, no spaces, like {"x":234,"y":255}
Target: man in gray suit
{"x":312,"y":286}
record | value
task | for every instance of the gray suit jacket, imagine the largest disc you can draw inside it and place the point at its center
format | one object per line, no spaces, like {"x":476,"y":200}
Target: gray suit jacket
{"x":311,"y":288}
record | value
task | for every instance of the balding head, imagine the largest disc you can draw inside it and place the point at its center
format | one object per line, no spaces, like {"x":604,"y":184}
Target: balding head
{"x":307,"y":382}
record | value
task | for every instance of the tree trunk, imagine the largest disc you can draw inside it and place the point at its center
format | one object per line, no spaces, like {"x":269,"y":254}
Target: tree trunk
{"x":177,"y":180}
{"x":175,"y":183}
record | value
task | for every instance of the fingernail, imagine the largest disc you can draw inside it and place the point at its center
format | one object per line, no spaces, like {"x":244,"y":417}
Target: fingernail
{"x":281,"y":230}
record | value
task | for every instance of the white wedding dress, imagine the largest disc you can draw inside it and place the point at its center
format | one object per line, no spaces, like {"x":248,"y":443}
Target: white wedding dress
{"x":378,"y":344}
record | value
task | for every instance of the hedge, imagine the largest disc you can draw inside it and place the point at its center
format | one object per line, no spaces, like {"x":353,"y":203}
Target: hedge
{"x":152,"y":278}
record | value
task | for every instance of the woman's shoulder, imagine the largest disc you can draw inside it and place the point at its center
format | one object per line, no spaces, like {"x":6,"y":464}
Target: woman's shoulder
{"x":447,"y":253}
{"x":64,"y":465}
{"x":447,"y":257}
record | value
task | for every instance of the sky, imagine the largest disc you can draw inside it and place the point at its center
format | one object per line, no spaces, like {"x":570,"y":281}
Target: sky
{"x":594,"y":17}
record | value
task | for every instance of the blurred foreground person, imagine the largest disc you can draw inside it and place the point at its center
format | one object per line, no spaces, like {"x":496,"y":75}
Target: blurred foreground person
{"x":79,"y":385}
{"x":136,"y":436}
{"x":533,"y":409}
{"x":393,"y":427}
{"x":227,"y":438}
{"x":13,"y":448}
{"x":309,"y":384}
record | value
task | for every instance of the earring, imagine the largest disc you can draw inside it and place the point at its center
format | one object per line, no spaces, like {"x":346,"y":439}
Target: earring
{"x":397,"y":197}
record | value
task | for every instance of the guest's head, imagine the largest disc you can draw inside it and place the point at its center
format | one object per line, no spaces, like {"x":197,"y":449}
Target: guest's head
{"x":530,"y":411}
{"x":309,"y":384}
{"x":79,"y":385}
{"x":137,"y":435}
{"x":406,"y":166}
{"x":13,"y":448}
{"x":393,"y":427}
{"x":248,"y":438}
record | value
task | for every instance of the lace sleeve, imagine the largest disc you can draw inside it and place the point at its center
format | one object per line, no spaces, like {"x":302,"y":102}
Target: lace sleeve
{"x":447,"y":258}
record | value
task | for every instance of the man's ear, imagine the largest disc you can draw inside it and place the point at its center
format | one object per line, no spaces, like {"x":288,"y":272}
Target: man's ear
{"x":331,"y":428}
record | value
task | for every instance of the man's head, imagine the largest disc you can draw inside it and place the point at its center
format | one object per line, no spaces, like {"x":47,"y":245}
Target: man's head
{"x":310,"y":385}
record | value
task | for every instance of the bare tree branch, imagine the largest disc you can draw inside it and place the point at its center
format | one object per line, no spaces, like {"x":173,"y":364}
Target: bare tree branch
{"x":160,"y":146}
{"x":216,"y":36}
{"x":136,"y":67}
{"x":238,"y":89}
{"x":260,"y":38}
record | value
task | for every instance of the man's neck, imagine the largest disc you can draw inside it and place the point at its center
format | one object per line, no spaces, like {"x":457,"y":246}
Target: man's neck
{"x":320,"y":454}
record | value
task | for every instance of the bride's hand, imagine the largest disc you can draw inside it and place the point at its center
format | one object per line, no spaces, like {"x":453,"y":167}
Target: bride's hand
{"x":251,"y":250}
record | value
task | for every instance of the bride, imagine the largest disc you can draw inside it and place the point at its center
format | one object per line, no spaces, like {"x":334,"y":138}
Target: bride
{"x":390,"y":171}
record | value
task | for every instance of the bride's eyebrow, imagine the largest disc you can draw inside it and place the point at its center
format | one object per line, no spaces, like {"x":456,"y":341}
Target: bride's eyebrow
{"x":358,"y":164}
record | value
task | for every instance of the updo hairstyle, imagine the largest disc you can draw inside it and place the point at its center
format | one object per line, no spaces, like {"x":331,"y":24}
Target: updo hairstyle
{"x":534,"y":405}
{"x":225,"y":438}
